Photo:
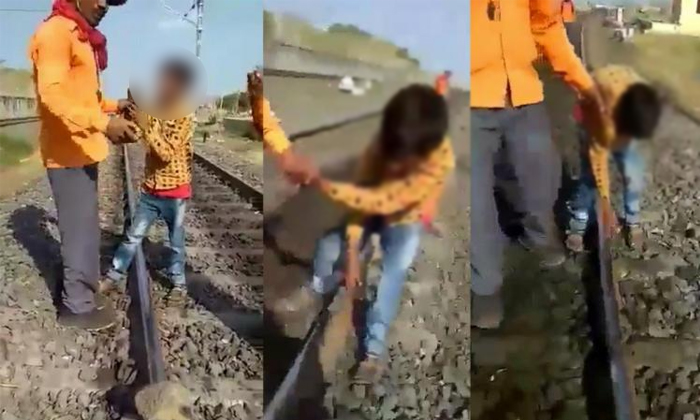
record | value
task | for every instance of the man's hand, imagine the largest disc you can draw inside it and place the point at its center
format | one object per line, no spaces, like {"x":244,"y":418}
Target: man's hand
{"x":255,"y":86}
{"x":119,"y":131}
{"x":593,"y":98}
{"x":297,"y":169}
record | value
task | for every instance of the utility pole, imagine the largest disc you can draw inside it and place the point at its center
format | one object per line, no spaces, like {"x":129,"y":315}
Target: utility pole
{"x":200,"y":25}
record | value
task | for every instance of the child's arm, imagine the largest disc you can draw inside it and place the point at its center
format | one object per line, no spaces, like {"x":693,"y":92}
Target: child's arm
{"x":165,"y":146}
{"x":394,"y":196}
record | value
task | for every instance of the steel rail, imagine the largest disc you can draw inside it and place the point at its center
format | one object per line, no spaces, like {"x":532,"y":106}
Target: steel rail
{"x":144,"y":335}
{"x":5,"y":122}
{"x":622,"y":381}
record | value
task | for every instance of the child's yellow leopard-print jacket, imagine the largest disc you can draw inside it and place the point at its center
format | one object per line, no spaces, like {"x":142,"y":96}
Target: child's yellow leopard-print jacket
{"x":169,"y":158}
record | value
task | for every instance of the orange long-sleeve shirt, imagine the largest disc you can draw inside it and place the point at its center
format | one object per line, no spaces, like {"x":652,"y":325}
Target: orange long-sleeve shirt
{"x":72,"y":111}
{"x":504,"y":39}
{"x":268,"y":126}
{"x":612,"y":81}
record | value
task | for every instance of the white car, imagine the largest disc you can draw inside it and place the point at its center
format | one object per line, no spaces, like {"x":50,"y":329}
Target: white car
{"x":347,"y":84}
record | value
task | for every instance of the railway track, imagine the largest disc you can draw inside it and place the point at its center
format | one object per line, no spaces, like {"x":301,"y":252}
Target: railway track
{"x":560,"y":352}
{"x":6,"y":122}
{"x":211,"y":344}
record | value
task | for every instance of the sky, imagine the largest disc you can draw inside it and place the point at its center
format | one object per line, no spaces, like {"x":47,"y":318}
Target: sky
{"x":231,"y":44}
{"x":435,"y":31}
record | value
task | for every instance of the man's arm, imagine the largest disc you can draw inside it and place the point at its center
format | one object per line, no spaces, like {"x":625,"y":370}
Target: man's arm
{"x":549,"y":32}
{"x":165,"y":146}
{"x":51,"y":55}
{"x":269,"y":128}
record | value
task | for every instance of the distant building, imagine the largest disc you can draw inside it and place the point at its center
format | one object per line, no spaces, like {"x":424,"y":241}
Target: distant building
{"x":685,"y":19}
{"x":686,"y":12}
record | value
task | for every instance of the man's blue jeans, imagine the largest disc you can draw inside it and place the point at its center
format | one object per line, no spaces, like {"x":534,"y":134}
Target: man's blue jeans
{"x":149,"y":209}
{"x":399,"y":248}
{"x":582,"y":203}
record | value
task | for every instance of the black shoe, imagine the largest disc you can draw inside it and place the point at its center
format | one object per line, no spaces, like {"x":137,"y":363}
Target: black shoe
{"x":95,"y":320}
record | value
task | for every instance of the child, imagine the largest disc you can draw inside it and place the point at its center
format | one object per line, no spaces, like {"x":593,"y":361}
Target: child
{"x":633,"y":112}
{"x":401,"y":172}
{"x":168,"y":173}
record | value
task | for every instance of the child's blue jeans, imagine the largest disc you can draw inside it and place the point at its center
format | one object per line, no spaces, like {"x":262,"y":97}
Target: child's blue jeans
{"x":582,"y":204}
{"x":149,"y":209}
{"x":399,"y":248}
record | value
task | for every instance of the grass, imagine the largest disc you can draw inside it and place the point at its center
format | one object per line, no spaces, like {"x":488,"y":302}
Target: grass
{"x":16,"y":82}
{"x":13,"y":150}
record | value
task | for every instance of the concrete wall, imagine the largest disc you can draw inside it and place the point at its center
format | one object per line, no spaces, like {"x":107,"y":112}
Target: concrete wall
{"x":16,"y":106}
{"x":673,"y":29}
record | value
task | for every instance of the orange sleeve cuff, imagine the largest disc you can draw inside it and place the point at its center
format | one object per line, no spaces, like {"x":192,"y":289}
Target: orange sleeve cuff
{"x":110,"y":106}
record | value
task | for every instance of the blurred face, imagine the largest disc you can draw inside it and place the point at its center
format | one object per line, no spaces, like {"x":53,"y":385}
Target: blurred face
{"x":170,"y":89}
{"x":92,"y":10}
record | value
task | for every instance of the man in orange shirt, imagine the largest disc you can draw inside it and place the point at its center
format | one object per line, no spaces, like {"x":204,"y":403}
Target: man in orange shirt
{"x":68,"y":52}
{"x":508,"y":113}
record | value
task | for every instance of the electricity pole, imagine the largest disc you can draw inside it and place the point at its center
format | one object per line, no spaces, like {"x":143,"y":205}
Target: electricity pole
{"x":200,"y":25}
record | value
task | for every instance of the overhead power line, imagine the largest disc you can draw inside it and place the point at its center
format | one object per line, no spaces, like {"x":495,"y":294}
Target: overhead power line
{"x":23,"y":10}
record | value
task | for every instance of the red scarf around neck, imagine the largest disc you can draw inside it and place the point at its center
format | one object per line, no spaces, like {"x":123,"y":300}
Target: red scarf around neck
{"x":87,"y":33}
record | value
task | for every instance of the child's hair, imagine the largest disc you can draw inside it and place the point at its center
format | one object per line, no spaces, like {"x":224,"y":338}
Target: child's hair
{"x":638,"y":111}
{"x":414,"y":123}
{"x":180,"y":69}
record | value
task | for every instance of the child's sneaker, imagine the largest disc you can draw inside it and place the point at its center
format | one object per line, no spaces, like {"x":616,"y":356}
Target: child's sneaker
{"x":634,"y":236}
{"x":368,"y":371}
{"x":574,"y":243}
{"x":177,"y":295}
